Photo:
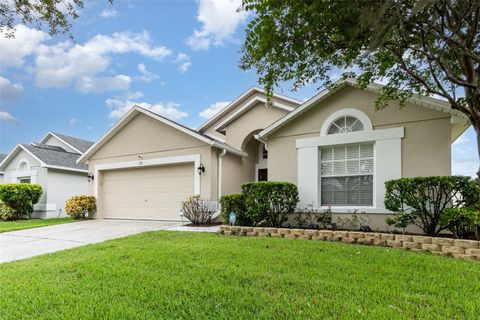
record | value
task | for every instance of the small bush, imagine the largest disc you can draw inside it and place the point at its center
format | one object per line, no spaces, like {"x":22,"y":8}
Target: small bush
{"x":424,"y":199}
{"x":462,"y":222}
{"x":312,"y":218}
{"x":199,"y":211}
{"x":78,"y":207}
{"x":21,"y":197}
{"x":6,"y":213}
{"x":355,"y":222}
{"x":269,"y":203}
{"x":234,"y":203}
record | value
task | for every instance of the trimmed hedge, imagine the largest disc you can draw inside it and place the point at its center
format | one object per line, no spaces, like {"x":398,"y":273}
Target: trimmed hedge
{"x":423,"y":200}
{"x":269,"y":203}
{"x":79,"y":206}
{"x":20,"y":197}
{"x":462,"y":222}
{"x":234,"y":203}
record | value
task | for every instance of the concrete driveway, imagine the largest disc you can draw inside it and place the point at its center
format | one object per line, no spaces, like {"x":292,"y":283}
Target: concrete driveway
{"x":28,"y":243}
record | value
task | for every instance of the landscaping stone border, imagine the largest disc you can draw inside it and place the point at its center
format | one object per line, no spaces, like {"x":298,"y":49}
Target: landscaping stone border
{"x":457,"y":248}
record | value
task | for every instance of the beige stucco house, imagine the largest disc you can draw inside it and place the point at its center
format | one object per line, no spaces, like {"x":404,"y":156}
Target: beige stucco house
{"x":334,"y":146}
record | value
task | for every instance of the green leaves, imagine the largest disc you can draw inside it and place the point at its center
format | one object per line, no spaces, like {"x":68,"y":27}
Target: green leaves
{"x":20,"y":197}
{"x":269,"y":203}
{"x":423,"y":200}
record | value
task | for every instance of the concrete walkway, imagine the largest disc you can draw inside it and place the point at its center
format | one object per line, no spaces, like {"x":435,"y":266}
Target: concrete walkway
{"x":28,"y":243}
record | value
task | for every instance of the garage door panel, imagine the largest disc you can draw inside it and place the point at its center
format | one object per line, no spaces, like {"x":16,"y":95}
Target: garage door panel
{"x":146,"y":193}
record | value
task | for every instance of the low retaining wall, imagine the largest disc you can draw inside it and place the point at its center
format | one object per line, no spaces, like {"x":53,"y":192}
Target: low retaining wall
{"x":458,"y":248}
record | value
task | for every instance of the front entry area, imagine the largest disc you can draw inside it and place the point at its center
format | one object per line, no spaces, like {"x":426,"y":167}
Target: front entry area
{"x":151,"y":193}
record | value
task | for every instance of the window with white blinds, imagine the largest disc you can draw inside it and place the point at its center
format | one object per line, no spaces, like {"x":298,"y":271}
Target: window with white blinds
{"x":347,"y":175}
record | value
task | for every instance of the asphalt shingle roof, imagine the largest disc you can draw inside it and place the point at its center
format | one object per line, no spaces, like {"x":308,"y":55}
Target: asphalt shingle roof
{"x":80,"y":144}
{"x":55,"y":156}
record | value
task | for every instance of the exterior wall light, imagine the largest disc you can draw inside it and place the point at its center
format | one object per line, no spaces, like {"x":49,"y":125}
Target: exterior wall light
{"x":90,"y":177}
{"x":201,"y":169}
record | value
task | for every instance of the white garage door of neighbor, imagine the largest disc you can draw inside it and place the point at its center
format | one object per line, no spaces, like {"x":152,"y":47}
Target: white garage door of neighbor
{"x":153,"y":193}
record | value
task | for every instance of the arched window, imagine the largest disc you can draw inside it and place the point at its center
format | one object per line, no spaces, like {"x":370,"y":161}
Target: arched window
{"x":346,"y":121}
{"x":345,"y":124}
{"x":23,"y":166}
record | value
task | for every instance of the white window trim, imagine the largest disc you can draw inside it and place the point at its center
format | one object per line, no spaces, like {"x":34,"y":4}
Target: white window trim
{"x":387,"y":165}
{"x":195,"y":158}
{"x":362,"y":117}
{"x":260,"y":163}
{"x":32,"y":174}
{"x":22,"y":162}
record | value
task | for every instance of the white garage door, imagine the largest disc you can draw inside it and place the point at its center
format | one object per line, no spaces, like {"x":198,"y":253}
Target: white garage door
{"x":153,"y":193}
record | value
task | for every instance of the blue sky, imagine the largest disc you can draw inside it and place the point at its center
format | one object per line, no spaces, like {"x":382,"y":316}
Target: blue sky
{"x":178,"y":58}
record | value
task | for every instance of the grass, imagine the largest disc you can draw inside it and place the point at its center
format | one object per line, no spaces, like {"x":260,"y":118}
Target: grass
{"x":177,"y":275}
{"x":32,"y":223}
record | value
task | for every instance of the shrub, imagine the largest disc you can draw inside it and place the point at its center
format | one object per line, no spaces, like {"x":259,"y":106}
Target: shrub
{"x":462,"y":222}
{"x":313,"y":219}
{"x":354,"y":222}
{"x":79,"y":206}
{"x":424,"y":199}
{"x":401,"y":221}
{"x":199,"y":211}
{"x":6,"y":213}
{"x":269,"y":203}
{"x":234,"y":203}
{"x":21,"y":197}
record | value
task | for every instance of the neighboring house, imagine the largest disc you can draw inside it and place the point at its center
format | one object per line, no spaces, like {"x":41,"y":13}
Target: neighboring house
{"x":52,"y":163}
{"x":2,"y":156}
{"x":334,"y":147}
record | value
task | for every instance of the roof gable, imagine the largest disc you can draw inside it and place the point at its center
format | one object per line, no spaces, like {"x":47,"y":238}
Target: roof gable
{"x":134,"y":111}
{"x":76,"y":144}
{"x":242,"y":104}
{"x":423,"y":101}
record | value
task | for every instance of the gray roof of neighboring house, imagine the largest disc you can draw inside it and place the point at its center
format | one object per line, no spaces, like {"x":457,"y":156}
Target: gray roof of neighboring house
{"x":55,"y":156}
{"x":77,"y":143}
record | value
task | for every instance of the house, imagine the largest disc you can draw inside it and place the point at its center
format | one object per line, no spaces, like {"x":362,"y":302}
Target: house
{"x":334,"y":147}
{"x":2,"y":156}
{"x":51,"y":163}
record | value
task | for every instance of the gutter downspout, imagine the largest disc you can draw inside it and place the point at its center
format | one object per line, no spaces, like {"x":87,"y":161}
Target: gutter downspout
{"x":257,"y":137}
{"x":219,"y":173}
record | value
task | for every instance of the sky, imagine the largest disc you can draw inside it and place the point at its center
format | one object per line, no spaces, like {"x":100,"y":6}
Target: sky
{"x":177,"y":58}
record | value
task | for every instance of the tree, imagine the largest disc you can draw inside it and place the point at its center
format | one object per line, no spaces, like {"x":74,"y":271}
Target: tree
{"x":54,"y":13}
{"x":429,"y":47}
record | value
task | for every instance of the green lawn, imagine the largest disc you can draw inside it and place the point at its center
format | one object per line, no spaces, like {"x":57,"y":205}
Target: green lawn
{"x":177,"y":275}
{"x":32,"y":223}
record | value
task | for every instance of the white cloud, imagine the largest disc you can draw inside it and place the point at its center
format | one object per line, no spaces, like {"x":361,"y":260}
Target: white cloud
{"x":9,"y":91}
{"x":7,"y":117}
{"x":220,"y":19}
{"x":184,"y":62}
{"x":146,"y":76}
{"x":66,"y":63}
{"x":73,"y":121}
{"x":169,"y":110}
{"x":109,"y":13}
{"x":14,"y":50}
{"x":213,"y":109}
{"x":101,"y":84}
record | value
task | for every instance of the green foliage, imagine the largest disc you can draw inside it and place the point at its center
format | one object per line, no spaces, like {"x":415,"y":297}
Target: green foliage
{"x":234,"y":203}
{"x":20,"y":197}
{"x":54,"y":13}
{"x":311,"y":218}
{"x":6,"y":226}
{"x":78,"y":207}
{"x":423,"y":47}
{"x":352,"y":221}
{"x":462,"y":222}
{"x":401,"y":220}
{"x":269,"y":203}
{"x":6,"y":212}
{"x":423,"y":200}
